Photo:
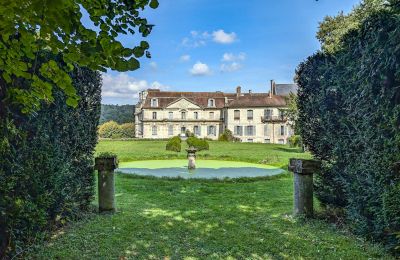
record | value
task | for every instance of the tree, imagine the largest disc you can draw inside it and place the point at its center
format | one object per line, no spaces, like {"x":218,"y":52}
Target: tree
{"x":27,"y":27}
{"x":333,"y":28}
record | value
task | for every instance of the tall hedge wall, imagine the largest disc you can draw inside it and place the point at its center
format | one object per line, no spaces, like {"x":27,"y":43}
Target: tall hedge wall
{"x":349,"y":117}
{"x":46,"y":172}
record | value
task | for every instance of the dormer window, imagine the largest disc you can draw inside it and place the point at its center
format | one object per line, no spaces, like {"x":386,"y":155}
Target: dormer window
{"x":211,"y":102}
{"x":154,"y":102}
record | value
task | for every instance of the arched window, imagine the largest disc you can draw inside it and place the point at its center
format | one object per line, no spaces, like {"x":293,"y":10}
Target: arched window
{"x":211,"y":102}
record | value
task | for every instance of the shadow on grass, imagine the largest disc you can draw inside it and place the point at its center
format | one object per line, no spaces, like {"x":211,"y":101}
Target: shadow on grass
{"x":198,"y":219}
{"x":288,"y":149}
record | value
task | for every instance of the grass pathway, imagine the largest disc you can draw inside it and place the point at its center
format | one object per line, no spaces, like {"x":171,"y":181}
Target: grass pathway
{"x":194,"y":219}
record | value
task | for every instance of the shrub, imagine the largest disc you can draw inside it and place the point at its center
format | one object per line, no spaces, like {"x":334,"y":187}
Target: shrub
{"x":199,"y":144}
{"x":227,"y":136}
{"x":46,"y":171}
{"x":174,"y":144}
{"x":110,"y":129}
{"x":188,"y":133}
{"x":127,"y":130}
{"x":349,"y":117}
{"x":295,"y":141}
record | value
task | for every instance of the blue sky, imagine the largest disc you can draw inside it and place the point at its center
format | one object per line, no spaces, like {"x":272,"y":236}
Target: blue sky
{"x":208,"y":45}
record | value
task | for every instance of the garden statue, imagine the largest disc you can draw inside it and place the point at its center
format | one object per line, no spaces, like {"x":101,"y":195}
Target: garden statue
{"x":191,"y":157}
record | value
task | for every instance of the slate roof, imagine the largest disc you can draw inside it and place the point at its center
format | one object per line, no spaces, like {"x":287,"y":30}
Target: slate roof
{"x":258,"y":100}
{"x":285,"y":89}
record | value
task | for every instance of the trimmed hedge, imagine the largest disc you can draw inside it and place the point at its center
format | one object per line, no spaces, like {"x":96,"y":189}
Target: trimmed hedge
{"x":349,"y":117}
{"x":199,"y":144}
{"x":46,"y":171}
{"x":174,"y":144}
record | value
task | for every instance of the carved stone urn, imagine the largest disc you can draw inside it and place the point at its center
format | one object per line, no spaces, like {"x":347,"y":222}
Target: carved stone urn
{"x":191,"y":155}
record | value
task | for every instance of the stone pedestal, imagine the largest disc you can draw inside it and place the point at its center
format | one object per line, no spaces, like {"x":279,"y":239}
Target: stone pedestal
{"x":303,"y":185}
{"x":106,"y":167}
{"x":191,"y":157}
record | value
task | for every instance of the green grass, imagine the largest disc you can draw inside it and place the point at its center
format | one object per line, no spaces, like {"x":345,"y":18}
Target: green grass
{"x":203,"y":219}
{"x":272,"y":154}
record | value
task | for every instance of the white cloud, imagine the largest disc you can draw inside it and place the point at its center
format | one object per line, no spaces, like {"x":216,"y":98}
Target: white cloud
{"x":200,"y":69}
{"x":222,"y":37}
{"x":184,"y":58}
{"x":199,"y":39}
{"x":229,"y":57}
{"x":234,"y":66}
{"x":124,"y":86}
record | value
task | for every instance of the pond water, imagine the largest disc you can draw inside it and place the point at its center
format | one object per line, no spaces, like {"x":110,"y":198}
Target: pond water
{"x":206,"y":169}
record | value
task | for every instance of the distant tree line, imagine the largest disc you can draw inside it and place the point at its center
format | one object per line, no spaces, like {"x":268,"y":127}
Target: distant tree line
{"x":349,"y":117}
{"x":118,"y":113}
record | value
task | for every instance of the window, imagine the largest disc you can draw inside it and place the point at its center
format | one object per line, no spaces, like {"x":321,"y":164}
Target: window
{"x":154,"y":115}
{"x":183,"y":115}
{"x":211,"y":130}
{"x":236,"y":115}
{"x":249,"y":114}
{"x":267,"y":141}
{"x":268,"y":113}
{"x":154,"y":130}
{"x":282,"y":132}
{"x":196,"y":115}
{"x":211,"y":115}
{"x":238,"y":130}
{"x":154,"y":102}
{"x":170,"y":115}
{"x":211,"y":102}
{"x":266,"y":130}
{"x":196,"y":130}
{"x":281,"y":141}
{"x":250,"y":140}
{"x":183,"y":130}
{"x":250,"y":130}
{"x":281,"y":114}
{"x":170,"y":130}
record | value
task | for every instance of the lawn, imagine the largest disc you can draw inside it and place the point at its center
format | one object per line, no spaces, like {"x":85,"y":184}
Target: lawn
{"x":203,"y":219}
{"x":272,"y":154}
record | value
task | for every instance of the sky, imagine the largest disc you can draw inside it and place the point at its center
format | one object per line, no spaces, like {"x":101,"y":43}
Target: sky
{"x":208,"y":45}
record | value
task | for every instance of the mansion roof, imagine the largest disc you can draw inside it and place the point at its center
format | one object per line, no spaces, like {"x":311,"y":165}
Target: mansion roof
{"x":230,"y":100}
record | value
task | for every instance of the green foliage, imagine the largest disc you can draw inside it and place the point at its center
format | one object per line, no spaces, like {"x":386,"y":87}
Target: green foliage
{"x":292,"y":113}
{"x":349,"y":117}
{"x":29,"y":27}
{"x":188,"y":133}
{"x":109,"y":129}
{"x":106,"y":155}
{"x":46,"y":171}
{"x":113,"y":130}
{"x":174,"y":144}
{"x":227,"y":136}
{"x":332,"y":30}
{"x":127,"y":130}
{"x":295,"y":141}
{"x":199,"y":144}
{"x":120,"y":114}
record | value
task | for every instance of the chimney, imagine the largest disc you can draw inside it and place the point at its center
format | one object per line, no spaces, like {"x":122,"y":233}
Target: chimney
{"x":238,"y":91}
{"x":272,"y":90}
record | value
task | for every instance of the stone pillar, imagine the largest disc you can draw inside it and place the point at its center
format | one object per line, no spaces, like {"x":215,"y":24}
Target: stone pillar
{"x":106,"y":167}
{"x":303,"y":185}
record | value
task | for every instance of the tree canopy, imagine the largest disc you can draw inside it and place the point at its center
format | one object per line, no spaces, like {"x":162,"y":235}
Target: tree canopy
{"x":79,"y":32}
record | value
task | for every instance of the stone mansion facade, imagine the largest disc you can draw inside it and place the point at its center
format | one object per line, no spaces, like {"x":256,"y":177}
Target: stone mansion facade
{"x":252,"y":117}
